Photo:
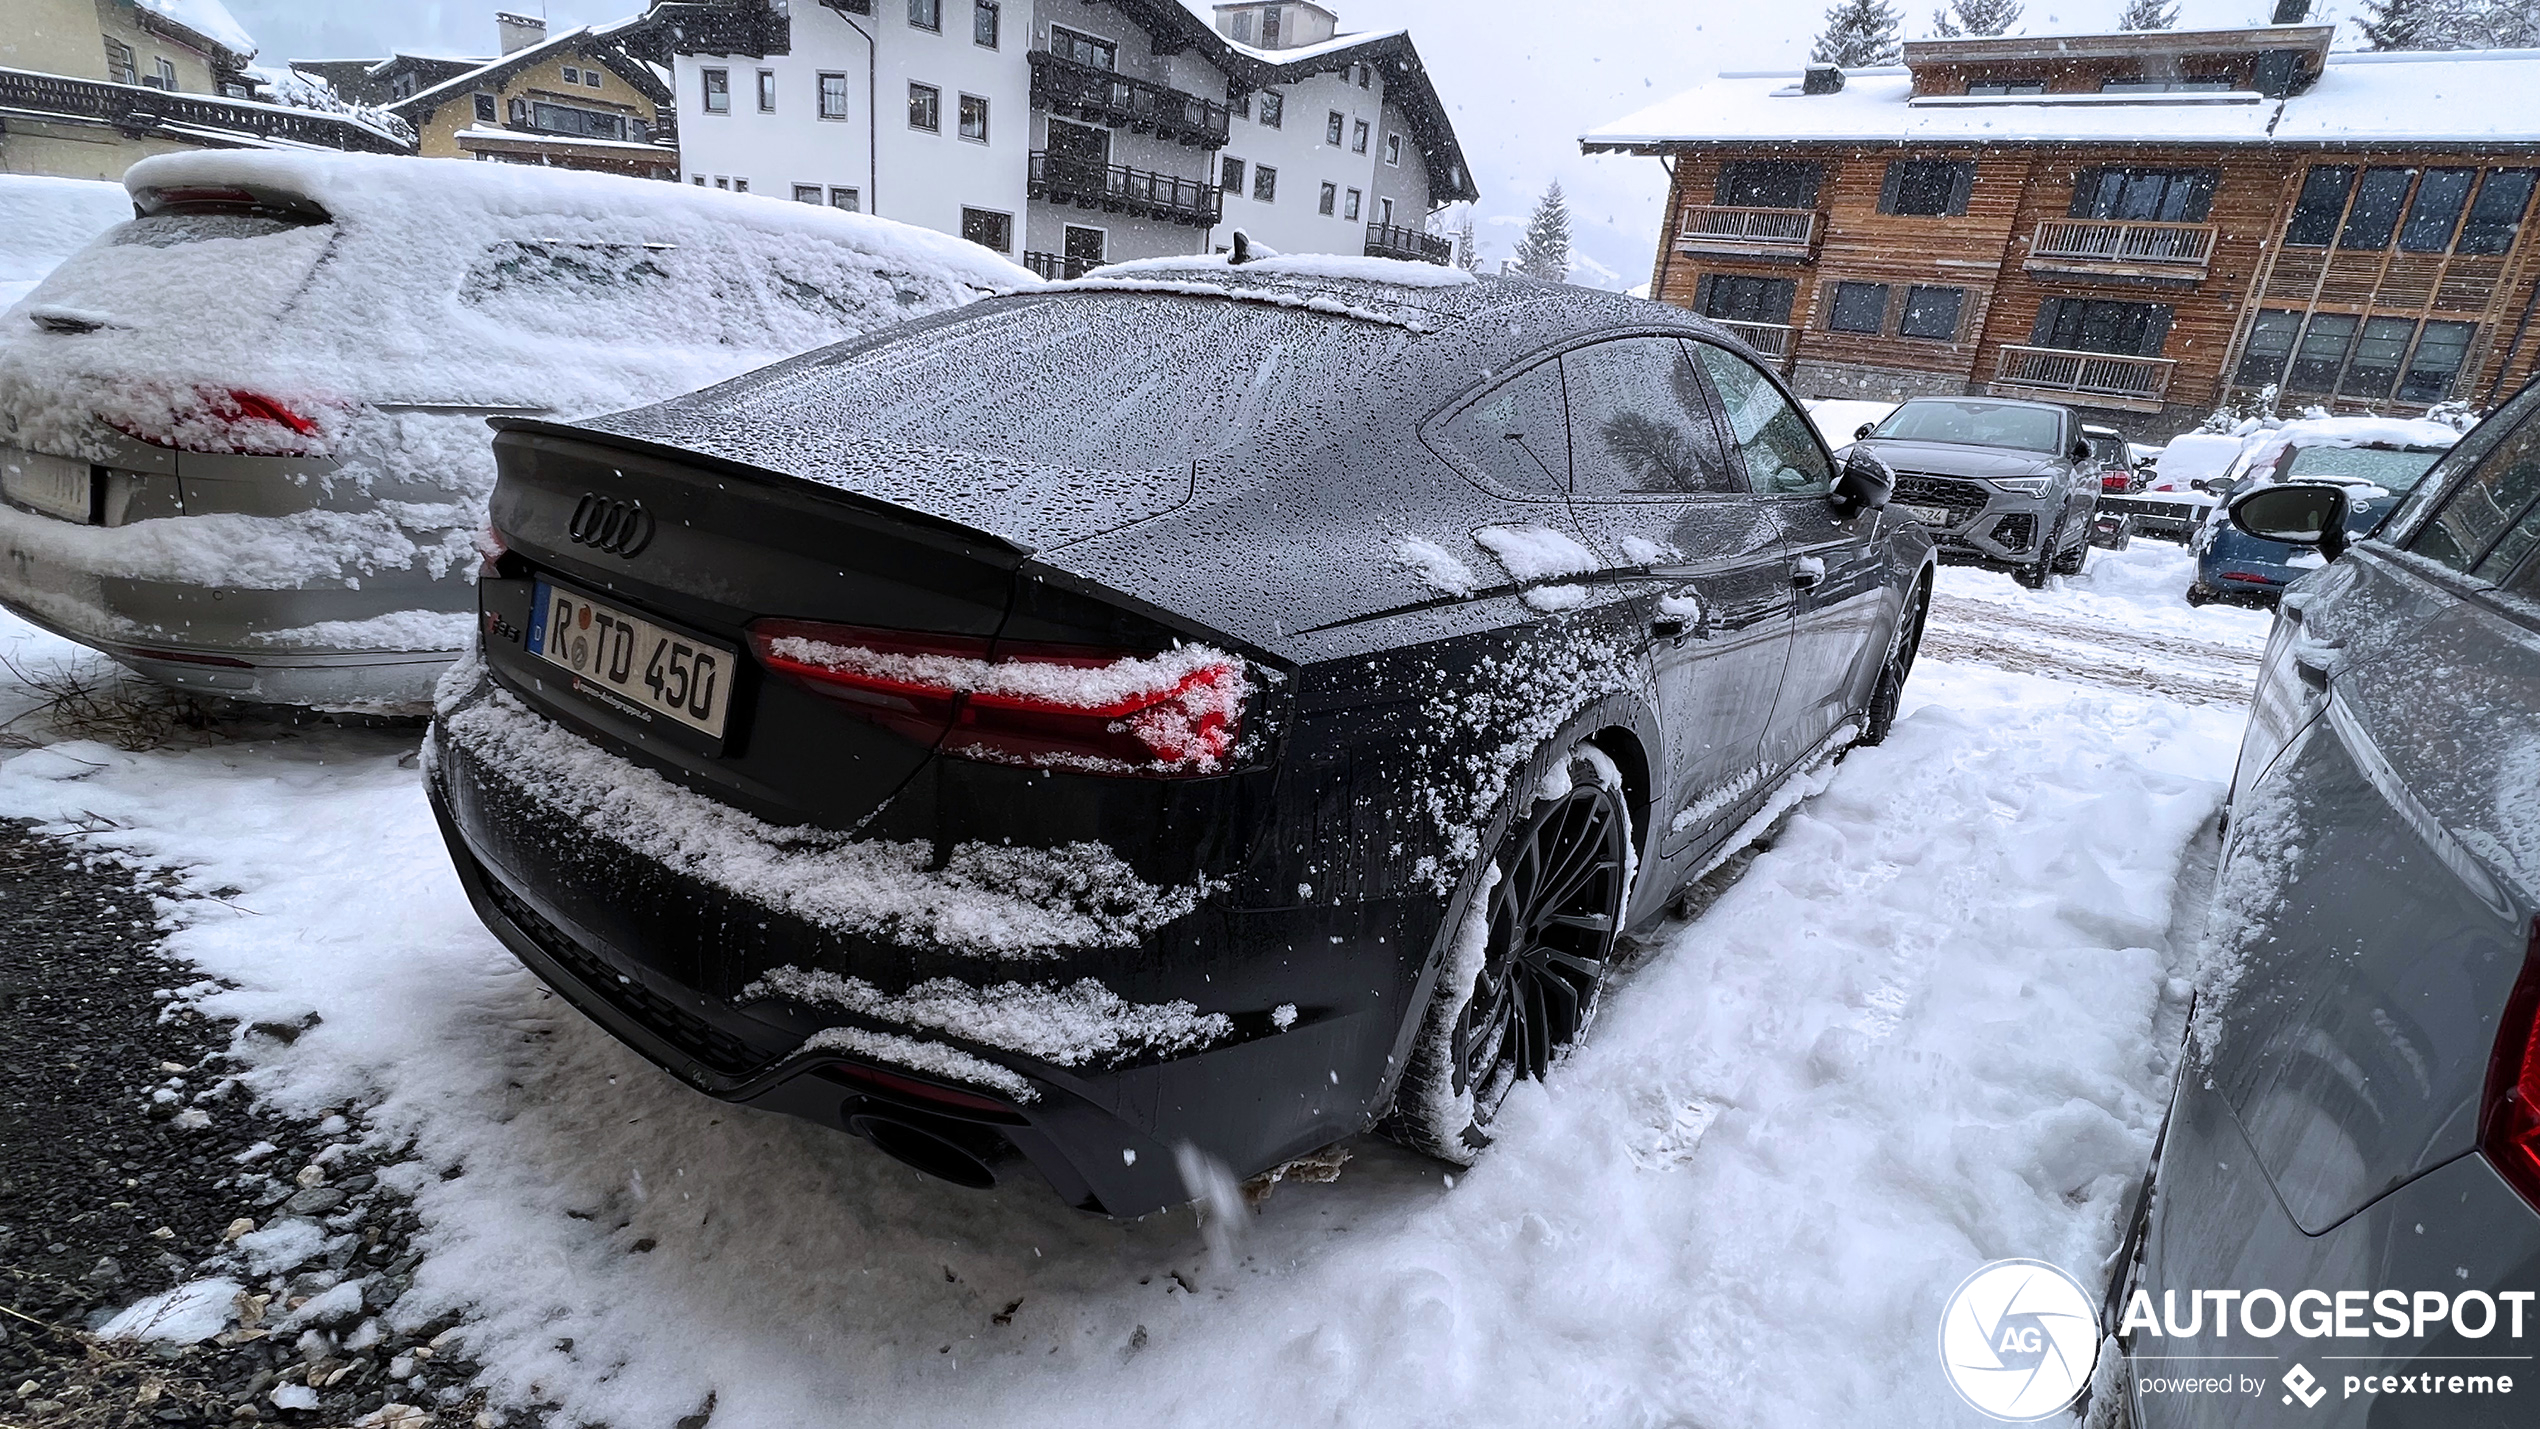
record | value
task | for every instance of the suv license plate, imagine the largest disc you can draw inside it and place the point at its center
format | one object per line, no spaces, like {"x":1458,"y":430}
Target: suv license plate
{"x":1929,"y":515}
{"x":55,"y":485}
{"x":630,"y":665}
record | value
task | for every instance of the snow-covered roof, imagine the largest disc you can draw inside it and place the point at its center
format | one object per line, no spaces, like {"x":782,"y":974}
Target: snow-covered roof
{"x":599,"y":41}
{"x":1321,"y":49}
{"x":2462,"y":97}
{"x":207,"y":18}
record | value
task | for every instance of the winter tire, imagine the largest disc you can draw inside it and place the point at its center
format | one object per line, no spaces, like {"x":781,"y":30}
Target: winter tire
{"x":1901,"y":648}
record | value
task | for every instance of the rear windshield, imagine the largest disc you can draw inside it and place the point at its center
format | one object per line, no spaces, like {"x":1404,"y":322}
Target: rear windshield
{"x":191,"y":277}
{"x":1974,"y":424}
{"x":2393,"y":470}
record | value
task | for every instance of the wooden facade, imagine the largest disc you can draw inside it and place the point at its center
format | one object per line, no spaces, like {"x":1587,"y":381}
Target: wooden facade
{"x":2149,"y":282}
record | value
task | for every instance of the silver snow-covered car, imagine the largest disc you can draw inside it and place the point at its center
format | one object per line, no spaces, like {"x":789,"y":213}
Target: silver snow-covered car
{"x":242,"y":436}
{"x":2006,"y":484}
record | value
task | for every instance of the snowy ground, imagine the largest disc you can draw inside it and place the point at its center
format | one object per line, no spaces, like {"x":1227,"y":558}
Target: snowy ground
{"x":1928,"y":1028}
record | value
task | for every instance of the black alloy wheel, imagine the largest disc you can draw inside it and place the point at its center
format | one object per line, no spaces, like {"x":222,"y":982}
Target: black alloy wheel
{"x":1553,"y":918}
{"x":1901,"y":649}
{"x":2033,"y":575}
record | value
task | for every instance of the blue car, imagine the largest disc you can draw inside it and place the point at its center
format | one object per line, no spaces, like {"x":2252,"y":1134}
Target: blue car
{"x":2378,"y":462}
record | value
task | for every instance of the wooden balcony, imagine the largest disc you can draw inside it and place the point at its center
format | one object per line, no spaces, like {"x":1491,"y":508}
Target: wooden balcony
{"x":1100,"y":96}
{"x":2091,"y":379}
{"x":137,"y":110}
{"x":1752,"y":232}
{"x":1116,"y":188}
{"x":2122,"y":248}
{"x":1392,"y":240}
{"x":1058,"y":267}
{"x":1770,"y":339}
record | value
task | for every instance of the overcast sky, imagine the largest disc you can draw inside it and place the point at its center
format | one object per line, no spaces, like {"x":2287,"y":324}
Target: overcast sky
{"x":1522,"y":80}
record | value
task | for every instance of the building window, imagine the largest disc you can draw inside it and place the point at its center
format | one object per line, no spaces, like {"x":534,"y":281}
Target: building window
{"x":2102,"y":325}
{"x":2321,"y":205}
{"x":974,"y":119}
{"x":740,"y":185}
{"x":1932,"y":312}
{"x":698,"y":179}
{"x":1272,"y":105}
{"x":2270,"y":343}
{"x":1737,"y":298}
{"x":1084,"y":49}
{"x":1927,"y":188}
{"x":1270,"y":27}
{"x":402,"y":86}
{"x":1358,"y":137}
{"x":119,"y":66}
{"x":572,"y":75}
{"x":1231,"y":175}
{"x":927,"y":15}
{"x":2151,"y":195}
{"x":1332,"y":123}
{"x":590,"y":79}
{"x":852,"y":200}
{"x":718,"y":86}
{"x":1085,"y":248}
{"x":589,"y":124}
{"x":167,"y":73}
{"x":2496,"y":214}
{"x":2005,"y":86}
{"x":1393,"y":149}
{"x":1858,"y":307}
{"x":2437,"y":361}
{"x":1384,"y":212}
{"x":2375,"y":214}
{"x":988,"y":228}
{"x":806,"y":193}
{"x":1242,"y":27}
{"x":722,"y":182}
{"x":926,"y":108}
{"x":767,"y":91}
{"x":486,"y":113}
{"x":1324,"y":201}
{"x":2378,"y":350}
{"x":1265,"y":183}
{"x":983,"y":23}
{"x":2322,"y":352}
{"x":1349,"y":205}
{"x":1365,"y":73}
{"x":833,"y":96}
{"x":2441,"y":195}
{"x":1767,"y":183}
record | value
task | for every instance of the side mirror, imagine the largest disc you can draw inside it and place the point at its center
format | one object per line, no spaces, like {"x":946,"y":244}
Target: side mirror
{"x":1864,"y":430}
{"x":2081,"y":451}
{"x":1864,"y":484}
{"x":2296,"y":515}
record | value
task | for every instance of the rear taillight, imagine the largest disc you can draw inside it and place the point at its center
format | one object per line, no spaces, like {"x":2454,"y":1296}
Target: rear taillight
{"x":1178,"y":712}
{"x":2509,"y":1118}
{"x":225,"y":420}
{"x":2112,"y":483}
{"x":490,"y":551}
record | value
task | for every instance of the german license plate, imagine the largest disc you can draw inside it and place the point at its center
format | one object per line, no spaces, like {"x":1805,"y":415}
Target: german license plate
{"x":1930,"y":515}
{"x":630,"y":665}
{"x":54,"y":485}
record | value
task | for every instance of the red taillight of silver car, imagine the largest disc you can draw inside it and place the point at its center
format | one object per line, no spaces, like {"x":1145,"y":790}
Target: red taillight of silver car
{"x":2509,"y":1120}
{"x":1169,"y":714}
{"x":228,"y":421}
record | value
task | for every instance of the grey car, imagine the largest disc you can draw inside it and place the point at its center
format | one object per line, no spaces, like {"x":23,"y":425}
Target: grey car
{"x":2358,"y":1112}
{"x":2010,"y":485}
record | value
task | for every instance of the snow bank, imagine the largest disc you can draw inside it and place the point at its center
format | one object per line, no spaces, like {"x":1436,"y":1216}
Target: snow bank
{"x":45,"y":220}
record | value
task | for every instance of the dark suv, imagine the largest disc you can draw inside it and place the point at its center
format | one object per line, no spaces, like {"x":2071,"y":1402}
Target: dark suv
{"x":2010,"y":485}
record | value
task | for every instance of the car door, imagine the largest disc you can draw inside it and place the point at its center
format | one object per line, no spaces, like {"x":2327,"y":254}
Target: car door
{"x":2378,"y":898}
{"x":1832,"y":565}
{"x":1665,"y":503}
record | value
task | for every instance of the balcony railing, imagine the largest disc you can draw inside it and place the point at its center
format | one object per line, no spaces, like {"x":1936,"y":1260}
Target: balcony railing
{"x":1712,"y":228}
{"x":1770,"y":339}
{"x":1058,"y":267}
{"x":1101,"y":96}
{"x":139,"y":109}
{"x":1175,"y":198}
{"x":1392,"y":240}
{"x":2098,"y":378}
{"x":2122,"y":245}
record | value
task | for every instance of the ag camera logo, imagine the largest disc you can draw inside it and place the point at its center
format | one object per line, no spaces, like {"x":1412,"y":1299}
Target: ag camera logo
{"x":2019,"y":1339}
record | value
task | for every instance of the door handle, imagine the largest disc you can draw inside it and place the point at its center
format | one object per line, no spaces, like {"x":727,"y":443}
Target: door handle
{"x":1680,"y":616}
{"x":2314,"y":661}
{"x":1806,"y":572}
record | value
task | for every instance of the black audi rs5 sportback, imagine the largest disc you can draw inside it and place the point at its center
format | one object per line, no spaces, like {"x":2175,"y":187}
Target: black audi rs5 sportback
{"x":1207,"y":705}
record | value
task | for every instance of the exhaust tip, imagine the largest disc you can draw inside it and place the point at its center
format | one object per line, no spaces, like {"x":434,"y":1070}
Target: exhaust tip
{"x":946,"y":1150}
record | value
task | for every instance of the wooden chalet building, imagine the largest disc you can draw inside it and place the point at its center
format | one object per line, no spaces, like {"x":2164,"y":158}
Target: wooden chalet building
{"x":2147,"y":225}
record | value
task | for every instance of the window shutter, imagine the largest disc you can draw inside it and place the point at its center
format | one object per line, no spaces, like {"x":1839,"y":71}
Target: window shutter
{"x":1887,"y":189}
{"x":2156,"y":330}
{"x":1962,"y":180}
{"x":2044,"y":328}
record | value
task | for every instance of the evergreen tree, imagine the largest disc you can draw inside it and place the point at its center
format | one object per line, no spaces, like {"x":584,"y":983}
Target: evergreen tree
{"x":2451,"y":24}
{"x":1545,"y":250}
{"x":1860,"y":34}
{"x":1468,"y":245}
{"x":1975,"y":17}
{"x":2151,"y":15}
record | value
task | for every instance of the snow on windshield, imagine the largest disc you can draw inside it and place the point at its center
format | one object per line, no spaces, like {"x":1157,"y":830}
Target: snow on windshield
{"x":2378,"y":466}
{"x":1978,"y":424}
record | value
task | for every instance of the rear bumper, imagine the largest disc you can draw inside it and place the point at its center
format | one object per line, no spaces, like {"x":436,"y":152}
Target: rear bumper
{"x":658,"y":958}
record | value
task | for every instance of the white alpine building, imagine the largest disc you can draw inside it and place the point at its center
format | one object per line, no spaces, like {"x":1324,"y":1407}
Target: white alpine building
{"x":1070,"y":133}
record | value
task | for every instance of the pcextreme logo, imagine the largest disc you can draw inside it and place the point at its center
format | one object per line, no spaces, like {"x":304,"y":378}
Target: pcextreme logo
{"x":2019,"y":1339}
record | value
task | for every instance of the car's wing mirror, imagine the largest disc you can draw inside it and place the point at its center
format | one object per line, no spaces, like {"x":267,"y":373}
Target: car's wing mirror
{"x":2296,"y":515}
{"x":1864,"y":430}
{"x":2081,"y":451}
{"x":1864,"y":484}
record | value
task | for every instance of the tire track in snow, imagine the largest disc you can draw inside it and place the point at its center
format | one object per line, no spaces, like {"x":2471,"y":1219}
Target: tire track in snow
{"x":2088,"y":652}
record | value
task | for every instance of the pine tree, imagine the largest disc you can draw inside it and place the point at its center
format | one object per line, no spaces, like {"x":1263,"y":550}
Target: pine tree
{"x":1545,"y":250}
{"x":1468,"y":245}
{"x":2152,"y":15}
{"x":2451,"y":24}
{"x":1975,"y":17}
{"x":1860,"y":34}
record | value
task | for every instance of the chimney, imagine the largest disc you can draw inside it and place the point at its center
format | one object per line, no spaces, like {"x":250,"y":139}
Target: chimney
{"x":2291,"y":12}
{"x":1821,"y":79}
{"x":519,"y":32}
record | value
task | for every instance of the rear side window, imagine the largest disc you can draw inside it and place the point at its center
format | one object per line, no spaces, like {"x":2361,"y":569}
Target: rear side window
{"x":1639,"y":425}
{"x":1515,"y":435}
{"x":2489,"y":523}
{"x":1783,"y":455}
